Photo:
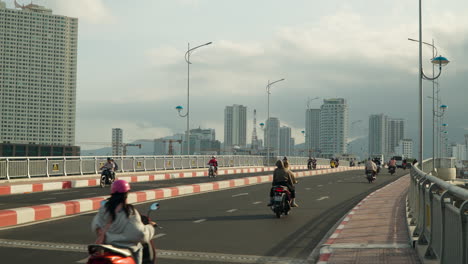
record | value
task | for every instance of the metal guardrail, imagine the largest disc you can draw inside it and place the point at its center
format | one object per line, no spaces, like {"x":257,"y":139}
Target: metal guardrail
{"x":29,"y":167}
{"x":440,"y":212}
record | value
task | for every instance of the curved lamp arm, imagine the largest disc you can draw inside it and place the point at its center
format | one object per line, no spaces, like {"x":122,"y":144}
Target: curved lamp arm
{"x":429,"y":78}
{"x":187,"y":54}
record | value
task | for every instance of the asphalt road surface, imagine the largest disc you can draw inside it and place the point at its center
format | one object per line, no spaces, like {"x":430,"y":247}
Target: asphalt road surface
{"x":229,"y":226}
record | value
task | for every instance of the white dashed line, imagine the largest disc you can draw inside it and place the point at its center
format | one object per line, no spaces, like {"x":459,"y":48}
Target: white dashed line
{"x":320,"y":185}
{"x":58,"y":193}
{"x":322,"y":198}
{"x":89,"y":193}
{"x":240,"y":194}
{"x":258,"y":202}
{"x":199,"y":221}
{"x":308,"y":189}
{"x":231,"y":211}
{"x":50,"y":198}
{"x":159,"y":235}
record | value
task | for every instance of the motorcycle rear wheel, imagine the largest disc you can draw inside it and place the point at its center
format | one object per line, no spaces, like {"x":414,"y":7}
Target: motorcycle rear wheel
{"x":102,"y":182}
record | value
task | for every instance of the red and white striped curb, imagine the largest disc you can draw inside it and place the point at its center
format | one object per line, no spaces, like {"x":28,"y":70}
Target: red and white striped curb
{"x":61,"y":185}
{"x":16,"y":216}
{"x":326,"y":249}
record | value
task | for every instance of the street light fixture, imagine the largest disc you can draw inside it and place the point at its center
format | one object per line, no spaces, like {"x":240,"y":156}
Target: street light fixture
{"x":268,"y":90}
{"x":180,"y":108}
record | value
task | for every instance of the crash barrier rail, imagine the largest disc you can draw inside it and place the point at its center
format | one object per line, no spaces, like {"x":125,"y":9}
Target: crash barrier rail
{"x":439,"y":210}
{"x":28,"y":167}
{"x":439,"y":163}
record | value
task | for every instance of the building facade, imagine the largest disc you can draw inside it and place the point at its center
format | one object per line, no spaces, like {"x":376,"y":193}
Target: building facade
{"x":38,"y":54}
{"x":312,"y":130}
{"x":333,"y":127}
{"x":458,"y":151}
{"x":235,"y":126}
{"x":117,"y":142}
{"x":404,"y":148}
{"x":271,"y":135}
{"x":203,"y":141}
{"x":378,"y":134}
{"x":285,"y":141}
{"x":396,"y":132}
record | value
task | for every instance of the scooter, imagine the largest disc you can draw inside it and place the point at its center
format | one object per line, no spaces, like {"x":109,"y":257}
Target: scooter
{"x":370,"y":176}
{"x":391,"y":170}
{"x":106,"y":178}
{"x":108,"y":254}
{"x":281,"y":200}
{"x":211,"y":172}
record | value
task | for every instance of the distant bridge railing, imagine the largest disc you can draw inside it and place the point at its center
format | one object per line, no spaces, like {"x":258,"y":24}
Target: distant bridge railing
{"x":28,"y":167}
{"x":440,"y":212}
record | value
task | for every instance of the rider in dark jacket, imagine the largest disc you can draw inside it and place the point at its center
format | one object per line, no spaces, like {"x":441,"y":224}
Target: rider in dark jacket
{"x":283,"y":176}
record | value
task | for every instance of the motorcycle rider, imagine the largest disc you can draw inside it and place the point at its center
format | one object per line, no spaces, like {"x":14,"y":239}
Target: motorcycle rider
{"x":332,"y":163}
{"x":311,"y":163}
{"x":392,"y":164}
{"x":283,"y":176}
{"x":370,"y":166}
{"x":108,"y":169}
{"x":213,"y":162}
{"x":119,"y":224}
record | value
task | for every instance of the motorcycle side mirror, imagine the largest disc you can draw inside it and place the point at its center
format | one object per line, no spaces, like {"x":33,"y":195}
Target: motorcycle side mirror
{"x":154,"y":207}
{"x":103,"y":203}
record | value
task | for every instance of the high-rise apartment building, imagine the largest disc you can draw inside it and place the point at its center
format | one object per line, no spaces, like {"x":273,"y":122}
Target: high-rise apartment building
{"x":38,"y":58}
{"x":117,"y":142}
{"x":378,"y":134}
{"x":312,"y":130}
{"x":203,"y":141}
{"x":285,"y":141}
{"x":457,"y":151}
{"x":333,"y":127}
{"x":396,"y":132}
{"x":405,"y":148}
{"x":235,"y":126}
{"x":271,"y":135}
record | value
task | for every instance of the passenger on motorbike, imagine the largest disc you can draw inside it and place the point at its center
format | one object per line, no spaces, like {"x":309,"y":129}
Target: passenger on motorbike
{"x":213,"y":162}
{"x":283,"y":176}
{"x":370,"y":166}
{"x":108,"y":169}
{"x":119,"y":224}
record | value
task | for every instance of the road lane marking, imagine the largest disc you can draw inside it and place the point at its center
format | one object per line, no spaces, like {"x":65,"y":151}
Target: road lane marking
{"x":159,"y":235}
{"x":82,"y":261}
{"x":231,"y":211}
{"x":240,"y":194}
{"x":320,"y":185}
{"x":89,"y":193}
{"x":322,"y":198}
{"x":308,"y":189}
{"x":199,"y":221}
{"x":58,"y":193}
{"x":50,"y":198}
{"x":258,"y":202}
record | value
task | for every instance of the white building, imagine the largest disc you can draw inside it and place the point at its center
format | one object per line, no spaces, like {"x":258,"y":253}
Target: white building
{"x":312,"y":130}
{"x":378,"y":139}
{"x":285,"y":141}
{"x":117,"y":142}
{"x":458,"y":151}
{"x":235,"y":126}
{"x":271,"y":135}
{"x":396,"y":132}
{"x":38,"y":58}
{"x":404,"y":148}
{"x":333,"y":127}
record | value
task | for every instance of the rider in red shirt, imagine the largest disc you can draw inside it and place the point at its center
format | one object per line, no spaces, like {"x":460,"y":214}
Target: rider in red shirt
{"x":213,"y":162}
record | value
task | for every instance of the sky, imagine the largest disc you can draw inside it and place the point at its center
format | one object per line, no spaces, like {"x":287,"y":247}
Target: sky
{"x":132,"y":72}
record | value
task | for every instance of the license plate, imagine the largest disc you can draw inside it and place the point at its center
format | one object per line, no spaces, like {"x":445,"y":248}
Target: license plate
{"x":278,"y":198}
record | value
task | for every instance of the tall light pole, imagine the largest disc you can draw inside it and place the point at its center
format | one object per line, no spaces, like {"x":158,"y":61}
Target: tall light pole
{"x":268,"y":89}
{"x":438,"y":60}
{"x":179,"y":108}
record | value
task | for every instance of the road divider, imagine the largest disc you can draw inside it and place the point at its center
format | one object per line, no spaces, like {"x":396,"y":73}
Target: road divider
{"x":24,"y":215}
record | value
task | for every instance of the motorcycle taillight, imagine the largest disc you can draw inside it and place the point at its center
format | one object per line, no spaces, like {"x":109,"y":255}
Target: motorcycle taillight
{"x":279,"y":190}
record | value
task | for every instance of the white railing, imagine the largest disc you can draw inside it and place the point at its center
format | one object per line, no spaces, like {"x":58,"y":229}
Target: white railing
{"x":28,"y":167}
{"x":439,"y":210}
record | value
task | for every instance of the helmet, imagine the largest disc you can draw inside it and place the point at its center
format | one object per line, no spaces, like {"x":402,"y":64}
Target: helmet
{"x":213,"y":157}
{"x":120,"y":186}
{"x":108,"y":159}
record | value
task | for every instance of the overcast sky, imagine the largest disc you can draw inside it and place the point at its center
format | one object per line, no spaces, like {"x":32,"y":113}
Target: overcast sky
{"x":132,"y":72}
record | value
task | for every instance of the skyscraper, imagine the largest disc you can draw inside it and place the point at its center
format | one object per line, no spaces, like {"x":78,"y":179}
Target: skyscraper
{"x":285,"y":141}
{"x":271,"y":136}
{"x":117,"y":142}
{"x":396,"y":132}
{"x":378,"y":139}
{"x":405,"y":148}
{"x":37,"y":80}
{"x":333,"y":127}
{"x":312,"y":130}
{"x":235,"y":126}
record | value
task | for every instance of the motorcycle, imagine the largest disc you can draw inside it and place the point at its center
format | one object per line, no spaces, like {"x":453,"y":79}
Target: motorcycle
{"x":211,"y":172}
{"x":106,"y":178}
{"x":281,"y":200}
{"x":370,"y":176}
{"x":108,"y":254}
{"x":314,"y":165}
{"x":391,"y":170}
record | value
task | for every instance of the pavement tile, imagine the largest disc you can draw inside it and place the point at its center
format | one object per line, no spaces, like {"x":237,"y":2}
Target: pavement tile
{"x":374,"y":256}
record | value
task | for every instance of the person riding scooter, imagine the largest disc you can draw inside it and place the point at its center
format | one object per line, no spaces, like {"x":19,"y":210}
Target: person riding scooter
{"x":119,"y":224}
{"x":283,"y":176}
{"x":370,"y":166}
{"x":108,"y":169}
{"x":213,"y":162}
{"x":392,"y":164}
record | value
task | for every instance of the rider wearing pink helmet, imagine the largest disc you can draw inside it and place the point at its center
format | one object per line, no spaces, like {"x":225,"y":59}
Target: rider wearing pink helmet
{"x":119,"y":224}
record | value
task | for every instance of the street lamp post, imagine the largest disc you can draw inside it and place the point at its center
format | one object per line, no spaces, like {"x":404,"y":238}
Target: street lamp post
{"x":438,"y":60}
{"x":179,"y":108}
{"x":268,"y":89}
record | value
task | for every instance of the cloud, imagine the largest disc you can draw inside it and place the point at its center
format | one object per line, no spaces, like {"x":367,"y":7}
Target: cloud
{"x":91,"y":11}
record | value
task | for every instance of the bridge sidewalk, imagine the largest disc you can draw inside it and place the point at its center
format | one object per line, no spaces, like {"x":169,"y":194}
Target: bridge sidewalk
{"x":374,"y":231}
